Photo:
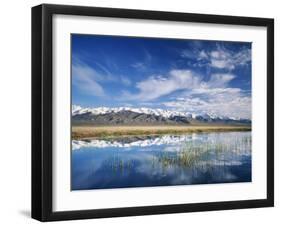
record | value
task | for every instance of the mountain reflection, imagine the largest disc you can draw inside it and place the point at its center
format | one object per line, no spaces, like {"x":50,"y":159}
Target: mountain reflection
{"x":200,"y":158}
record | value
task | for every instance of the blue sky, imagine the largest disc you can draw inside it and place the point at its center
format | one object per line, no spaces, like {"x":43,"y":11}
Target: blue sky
{"x":184,"y":75}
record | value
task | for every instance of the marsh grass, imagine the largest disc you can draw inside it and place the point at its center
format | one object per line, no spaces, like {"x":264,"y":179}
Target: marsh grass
{"x":191,"y":154}
{"x":117,"y":164}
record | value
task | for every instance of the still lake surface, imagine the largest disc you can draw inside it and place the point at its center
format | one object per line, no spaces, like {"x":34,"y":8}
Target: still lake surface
{"x":198,"y":158}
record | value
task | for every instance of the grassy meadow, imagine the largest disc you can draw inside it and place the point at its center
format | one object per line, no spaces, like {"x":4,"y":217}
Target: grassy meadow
{"x":82,"y":132}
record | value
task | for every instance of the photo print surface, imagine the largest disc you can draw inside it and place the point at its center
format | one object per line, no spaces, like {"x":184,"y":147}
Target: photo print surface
{"x":159,"y":112}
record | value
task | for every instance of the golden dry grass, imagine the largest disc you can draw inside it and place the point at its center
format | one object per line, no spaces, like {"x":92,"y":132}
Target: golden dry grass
{"x":80,"y":132}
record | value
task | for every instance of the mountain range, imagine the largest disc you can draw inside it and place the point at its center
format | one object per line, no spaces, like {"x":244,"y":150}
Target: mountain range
{"x":146,"y":116}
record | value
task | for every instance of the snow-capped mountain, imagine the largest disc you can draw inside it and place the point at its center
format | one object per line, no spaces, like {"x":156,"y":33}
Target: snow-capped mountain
{"x":77,"y":110}
{"x":128,"y":115}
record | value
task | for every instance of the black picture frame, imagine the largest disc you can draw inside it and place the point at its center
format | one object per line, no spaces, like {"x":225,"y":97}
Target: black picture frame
{"x":42,"y":111}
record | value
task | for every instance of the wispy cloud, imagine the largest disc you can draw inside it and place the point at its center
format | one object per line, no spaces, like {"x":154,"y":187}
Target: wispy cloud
{"x":188,"y":75}
{"x":145,"y":62}
{"x":219,"y":57}
{"x":194,"y":94}
{"x":225,"y":59}
{"x":91,"y":79}
{"x":227,"y":101}
{"x":86,"y":79}
{"x":214,"y":96}
{"x":219,"y":80}
{"x":125,"y":80}
{"x":139,"y":65}
{"x":158,"y":85}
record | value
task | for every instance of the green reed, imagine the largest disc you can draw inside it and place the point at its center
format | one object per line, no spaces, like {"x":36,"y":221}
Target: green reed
{"x":189,"y":155}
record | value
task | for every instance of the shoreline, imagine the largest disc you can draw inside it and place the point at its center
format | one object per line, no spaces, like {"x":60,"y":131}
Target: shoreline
{"x":91,"y":132}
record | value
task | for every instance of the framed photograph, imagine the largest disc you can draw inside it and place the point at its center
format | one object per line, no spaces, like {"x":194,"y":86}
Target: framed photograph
{"x":146,"y":112}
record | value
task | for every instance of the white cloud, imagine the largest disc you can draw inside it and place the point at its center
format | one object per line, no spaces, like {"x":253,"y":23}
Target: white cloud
{"x":197,"y":95}
{"x":189,"y":53}
{"x":144,"y":63}
{"x":220,"y":58}
{"x":139,"y":65}
{"x":157,"y":86}
{"x":232,"y":102}
{"x":125,"y":81}
{"x":243,"y":57}
{"x":202,"y":55}
{"x":220,"y":80}
{"x":84,"y":77}
{"x":222,"y":64}
{"x":89,"y":79}
{"x":225,"y":59}
{"x":213,"y":96}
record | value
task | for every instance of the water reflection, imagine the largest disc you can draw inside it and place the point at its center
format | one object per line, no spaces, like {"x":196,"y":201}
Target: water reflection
{"x":201,"y":158}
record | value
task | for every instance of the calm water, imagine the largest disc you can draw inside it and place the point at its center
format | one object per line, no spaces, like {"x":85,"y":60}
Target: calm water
{"x":199,"y":158}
